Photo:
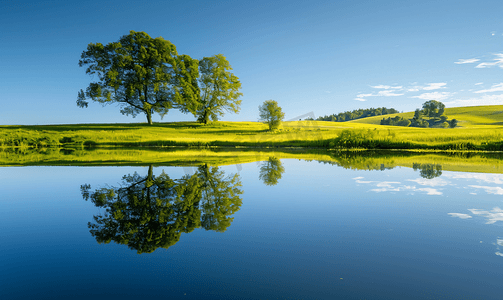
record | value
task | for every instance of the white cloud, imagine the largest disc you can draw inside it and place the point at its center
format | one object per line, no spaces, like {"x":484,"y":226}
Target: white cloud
{"x":385,"y":93}
{"x":483,"y":100}
{"x":414,"y":89}
{"x":493,"y":216}
{"x":461,"y":216}
{"x":489,"y":178}
{"x":429,"y":191}
{"x":388,"y":94}
{"x":395,"y":186}
{"x":434,"y":96}
{"x":498,"y":61}
{"x":494,"y":88}
{"x":498,"y":253}
{"x":364,"y":95}
{"x":496,"y":190}
{"x":479,"y":83}
{"x":435,"y":86}
{"x":466,"y":61}
{"x":430,"y":182}
{"x":386,"y":87}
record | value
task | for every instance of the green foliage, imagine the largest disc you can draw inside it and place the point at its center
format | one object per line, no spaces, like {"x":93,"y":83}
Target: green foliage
{"x":148,"y":212}
{"x":396,"y":121}
{"x":271,"y":171}
{"x":271,"y":114}
{"x":433,"y":109}
{"x":219,"y":89}
{"x":142,"y":75}
{"x":428,"y":171}
{"x":358,"y":114}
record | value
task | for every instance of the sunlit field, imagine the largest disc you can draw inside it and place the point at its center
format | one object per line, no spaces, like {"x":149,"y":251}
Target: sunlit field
{"x":480,"y":128}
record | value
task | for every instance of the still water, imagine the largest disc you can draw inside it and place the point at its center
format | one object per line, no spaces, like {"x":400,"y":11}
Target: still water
{"x":286,"y":229}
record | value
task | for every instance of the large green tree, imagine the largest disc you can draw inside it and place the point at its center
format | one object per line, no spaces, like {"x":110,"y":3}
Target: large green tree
{"x":271,"y":114}
{"x":141,"y":74}
{"x":219,"y":89}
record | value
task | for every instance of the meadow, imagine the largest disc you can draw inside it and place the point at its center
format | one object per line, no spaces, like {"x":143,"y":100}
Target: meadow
{"x":479,"y":130}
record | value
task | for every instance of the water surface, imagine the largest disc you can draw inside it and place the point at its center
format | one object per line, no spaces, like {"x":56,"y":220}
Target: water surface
{"x":277,"y":229}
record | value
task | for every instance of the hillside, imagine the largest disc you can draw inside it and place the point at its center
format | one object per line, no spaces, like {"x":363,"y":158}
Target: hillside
{"x":468,"y":116}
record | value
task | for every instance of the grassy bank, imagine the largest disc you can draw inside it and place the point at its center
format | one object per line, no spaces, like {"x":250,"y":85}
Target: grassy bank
{"x":480,"y":129}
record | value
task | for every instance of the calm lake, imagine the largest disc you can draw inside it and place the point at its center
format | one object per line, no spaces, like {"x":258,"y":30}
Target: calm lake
{"x":276,"y":229}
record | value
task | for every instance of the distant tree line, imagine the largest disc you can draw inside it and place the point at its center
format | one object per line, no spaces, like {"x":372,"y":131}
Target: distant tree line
{"x":358,"y":114}
{"x":432,"y":115}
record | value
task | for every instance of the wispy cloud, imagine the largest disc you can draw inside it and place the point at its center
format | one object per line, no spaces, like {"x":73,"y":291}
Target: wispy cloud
{"x":435,"y":86}
{"x":388,"y":94}
{"x":461,"y":216}
{"x":483,"y":100}
{"x":398,"y":90}
{"x":493,"y":216}
{"x":485,"y":177}
{"x":498,"y":61}
{"x":430,"y":182}
{"x":434,"y":96}
{"x":494,"y":88}
{"x":467,"y":61}
{"x":395,"y":186}
{"x":479,"y":83}
{"x":386,"y":87}
{"x":496,"y":190}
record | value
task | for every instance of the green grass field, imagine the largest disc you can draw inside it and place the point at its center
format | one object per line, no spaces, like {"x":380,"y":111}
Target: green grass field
{"x":480,"y":129}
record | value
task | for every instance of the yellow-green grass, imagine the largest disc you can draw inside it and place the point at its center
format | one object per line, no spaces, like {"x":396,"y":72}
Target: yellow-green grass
{"x":481,"y":130}
{"x":361,"y":160}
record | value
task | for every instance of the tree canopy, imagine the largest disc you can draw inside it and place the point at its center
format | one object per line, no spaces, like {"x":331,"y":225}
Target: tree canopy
{"x":271,"y":114}
{"x":433,"y":109}
{"x":141,"y":74}
{"x":148,"y":212}
{"x":219,"y":89}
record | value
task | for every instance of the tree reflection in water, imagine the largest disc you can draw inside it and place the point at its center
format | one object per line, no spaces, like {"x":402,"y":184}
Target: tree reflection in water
{"x":148,"y":212}
{"x":271,"y":171}
{"x":428,"y":171}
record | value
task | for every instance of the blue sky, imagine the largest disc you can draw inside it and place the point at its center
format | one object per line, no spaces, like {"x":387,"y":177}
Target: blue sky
{"x":310,"y":56}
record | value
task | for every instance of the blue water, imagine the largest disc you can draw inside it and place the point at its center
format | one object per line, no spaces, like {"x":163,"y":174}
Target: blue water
{"x":320,"y":232}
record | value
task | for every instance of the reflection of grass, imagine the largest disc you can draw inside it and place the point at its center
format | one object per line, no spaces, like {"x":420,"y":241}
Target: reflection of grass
{"x":361,"y":160}
{"x":481,"y":130}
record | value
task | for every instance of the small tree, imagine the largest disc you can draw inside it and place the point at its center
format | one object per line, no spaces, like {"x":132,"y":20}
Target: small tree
{"x":219,"y":89}
{"x":142,"y":75}
{"x":453,"y":123}
{"x":271,"y":113}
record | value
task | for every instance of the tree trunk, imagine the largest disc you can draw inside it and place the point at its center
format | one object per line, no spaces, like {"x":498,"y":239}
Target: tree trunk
{"x":206,"y":116}
{"x":149,"y":116}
